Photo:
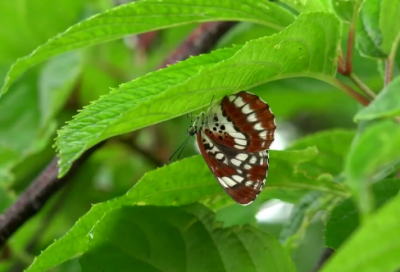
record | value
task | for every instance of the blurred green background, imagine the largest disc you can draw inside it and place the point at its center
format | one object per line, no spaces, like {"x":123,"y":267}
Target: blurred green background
{"x":50,"y":94}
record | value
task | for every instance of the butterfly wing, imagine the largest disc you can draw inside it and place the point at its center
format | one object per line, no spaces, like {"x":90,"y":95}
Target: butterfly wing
{"x":242,"y":175}
{"x":235,"y":142}
{"x":243,"y":122}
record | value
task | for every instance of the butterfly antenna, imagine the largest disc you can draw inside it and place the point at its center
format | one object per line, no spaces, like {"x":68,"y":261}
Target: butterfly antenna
{"x":212,"y":100}
{"x":176,"y":151}
{"x":187,"y":140}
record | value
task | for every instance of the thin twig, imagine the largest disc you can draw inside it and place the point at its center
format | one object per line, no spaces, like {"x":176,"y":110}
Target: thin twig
{"x":357,"y":81}
{"x":351,"y":39}
{"x":352,"y":93}
{"x":391,"y":61}
{"x":47,"y":183}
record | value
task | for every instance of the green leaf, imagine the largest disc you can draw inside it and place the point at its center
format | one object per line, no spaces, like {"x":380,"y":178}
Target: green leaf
{"x":332,"y":145}
{"x":300,"y":218}
{"x":181,"y":183}
{"x":373,"y":152}
{"x":20,"y":121}
{"x":178,"y":239}
{"x":147,"y":15}
{"x":345,"y":218}
{"x":386,"y":104}
{"x":27,"y":25}
{"x":189,"y":85}
{"x":56,"y":83}
{"x":344,"y":9}
{"x":376,"y":32}
{"x":304,"y":6}
{"x":373,"y":247}
{"x":368,"y":34}
{"x":389,"y":13}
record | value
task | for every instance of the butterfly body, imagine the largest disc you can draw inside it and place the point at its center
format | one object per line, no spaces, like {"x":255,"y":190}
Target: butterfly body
{"x":234,"y":136}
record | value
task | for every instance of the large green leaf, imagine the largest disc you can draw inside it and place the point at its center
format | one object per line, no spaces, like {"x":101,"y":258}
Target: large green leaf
{"x":305,"y":6}
{"x":181,"y":183}
{"x":375,"y":30}
{"x":368,"y":34}
{"x":386,"y":104}
{"x":374,"y":151}
{"x":375,"y":247}
{"x":389,"y":13}
{"x":344,"y":9}
{"x":178,"y":239}
{"x":26,"y":25}
{"x":332,"y":145}
{"x":147,"y":15}
{"x":307,"y":48}
{"x":345,"y":218}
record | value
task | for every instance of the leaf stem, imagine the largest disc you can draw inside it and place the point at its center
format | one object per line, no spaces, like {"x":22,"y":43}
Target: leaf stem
{"x":351,"y":38}
{"x":357,"y":81}
{"x":349,"y":91}
{"x":391,"y":60}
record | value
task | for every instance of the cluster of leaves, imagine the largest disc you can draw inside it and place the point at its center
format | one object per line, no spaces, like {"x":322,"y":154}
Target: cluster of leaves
{"x":167,"y":220}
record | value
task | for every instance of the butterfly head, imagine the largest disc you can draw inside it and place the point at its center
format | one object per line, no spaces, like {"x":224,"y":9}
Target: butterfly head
{"x":196,"y":125}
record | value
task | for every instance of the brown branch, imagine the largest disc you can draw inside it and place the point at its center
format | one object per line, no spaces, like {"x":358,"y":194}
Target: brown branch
{"x":47,"y":183}
{"x":350,"y":40}
{"x":201,"y":40}
{"x":37,"y":194}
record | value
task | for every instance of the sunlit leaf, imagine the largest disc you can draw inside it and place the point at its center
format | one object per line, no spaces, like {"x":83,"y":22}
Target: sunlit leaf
{"x":147,"y":15}
{"x":191,"y":84}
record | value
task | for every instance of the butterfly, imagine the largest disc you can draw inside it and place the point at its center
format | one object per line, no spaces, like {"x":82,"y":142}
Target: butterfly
{"x":234,"y":137}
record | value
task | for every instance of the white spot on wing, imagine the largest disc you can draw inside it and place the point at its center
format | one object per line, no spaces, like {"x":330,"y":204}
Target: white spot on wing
{"x":222,"y":183}
{"x":237,"y":178}
{"x":248,"y":183}
{"x":247,"y":166}
{"x":240,"y":141}
{"x":236,"y":162}
{"x":239,"y":146}
{"x":219,"y":156}
{"x":246,"y":109}
{"x":252,"y":117}
{"x":230,"y":182}
{"x":253,"y":160}
{"x":263,"y":134}
{"x":242,"y":156}
{"x":258,"y":126}
{"x":239,"y":102}
{"x":238,"y":135}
